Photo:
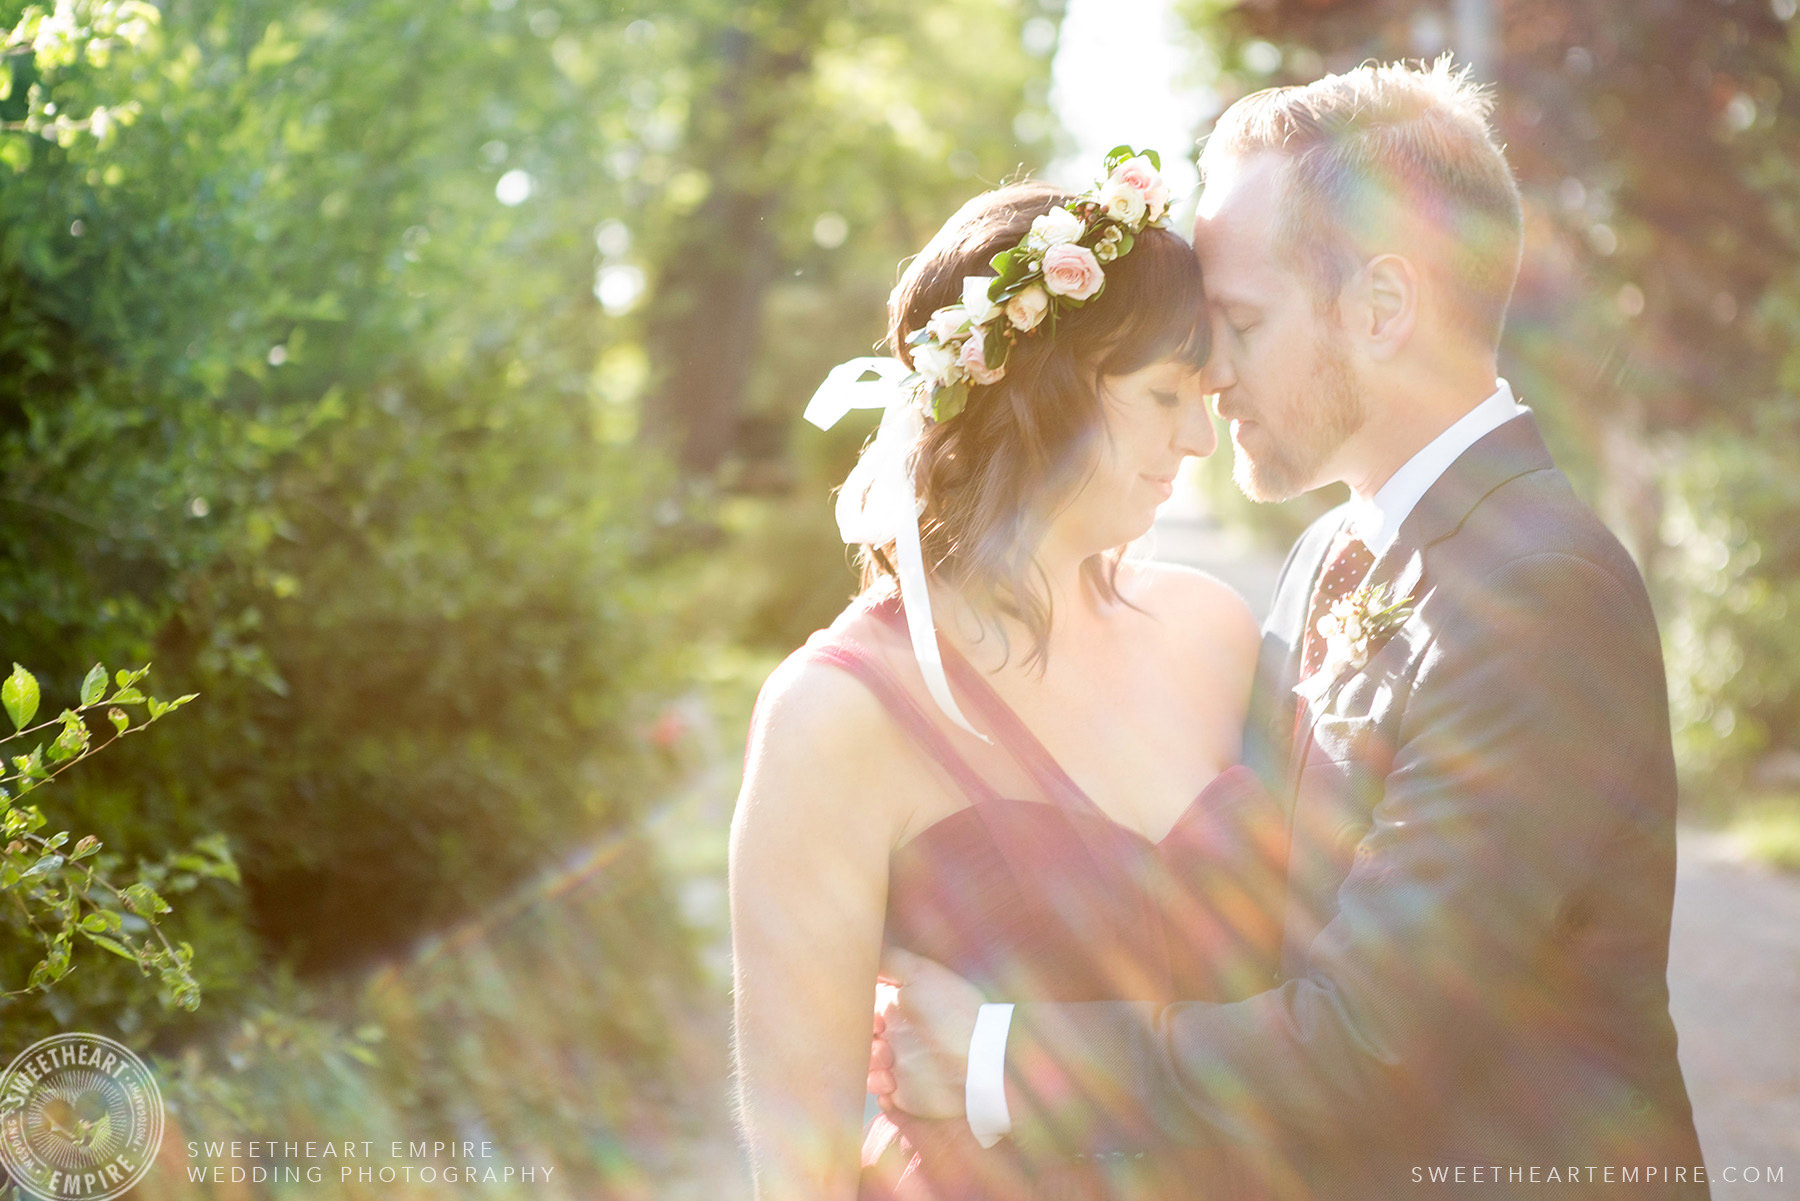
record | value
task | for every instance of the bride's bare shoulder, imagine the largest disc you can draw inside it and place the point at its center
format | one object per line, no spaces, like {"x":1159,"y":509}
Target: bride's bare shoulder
{"x":822,"y":745}
{"x":1198,"y":610}
{"x":810,"y":699}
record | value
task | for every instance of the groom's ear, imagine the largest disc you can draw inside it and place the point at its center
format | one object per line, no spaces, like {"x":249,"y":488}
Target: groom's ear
{"x":1387,"y":308}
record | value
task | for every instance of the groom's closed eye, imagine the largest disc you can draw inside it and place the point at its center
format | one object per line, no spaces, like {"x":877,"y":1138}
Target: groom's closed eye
{"x":1240,"y":318}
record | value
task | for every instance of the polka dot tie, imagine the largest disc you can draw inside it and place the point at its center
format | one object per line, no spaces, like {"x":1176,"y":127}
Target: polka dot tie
{"x":1347,"y":569}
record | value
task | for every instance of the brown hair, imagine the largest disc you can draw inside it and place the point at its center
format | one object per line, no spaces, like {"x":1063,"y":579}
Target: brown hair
{"x":992,"y":477}
{"x":1385,"y":156}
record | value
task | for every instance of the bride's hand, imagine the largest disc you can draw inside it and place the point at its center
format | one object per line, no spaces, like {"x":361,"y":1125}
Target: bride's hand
{"x":919,"y":1056}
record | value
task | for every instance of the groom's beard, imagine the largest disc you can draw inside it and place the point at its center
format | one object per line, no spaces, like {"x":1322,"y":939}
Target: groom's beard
{"x":1328,"y":411}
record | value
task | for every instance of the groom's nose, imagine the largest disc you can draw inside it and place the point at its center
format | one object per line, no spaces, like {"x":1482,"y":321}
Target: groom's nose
{"x":1217,"y":375}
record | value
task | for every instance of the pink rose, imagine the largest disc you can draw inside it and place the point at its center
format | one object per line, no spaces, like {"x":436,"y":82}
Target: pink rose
{"x":1028,"y":308}
{"x":1072,"y":271}
{"x":1138,"y":175}
{"x":974,"y":359}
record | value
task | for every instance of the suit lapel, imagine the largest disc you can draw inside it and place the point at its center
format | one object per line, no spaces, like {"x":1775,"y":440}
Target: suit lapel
{"x":1278,"y":663}
{"x":1505,"y":453}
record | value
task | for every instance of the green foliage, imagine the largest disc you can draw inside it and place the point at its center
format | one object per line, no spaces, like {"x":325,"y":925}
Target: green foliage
{"x":1731,"y":573}
{"x":308,"y":394}
{"x":291,"y":403}
{"x":59,"y":898}
{"x":821,"y":147}
{"x":1769,"y":830}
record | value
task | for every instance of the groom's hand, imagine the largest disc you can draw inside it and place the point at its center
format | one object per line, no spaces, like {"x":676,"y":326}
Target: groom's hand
{"x":920,"y":1054}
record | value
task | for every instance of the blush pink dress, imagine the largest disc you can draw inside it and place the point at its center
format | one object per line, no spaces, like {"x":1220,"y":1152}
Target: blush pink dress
{"x":1032,"y":893}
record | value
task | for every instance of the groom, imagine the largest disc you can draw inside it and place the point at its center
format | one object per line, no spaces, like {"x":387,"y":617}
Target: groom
{"x":1475,"y":765}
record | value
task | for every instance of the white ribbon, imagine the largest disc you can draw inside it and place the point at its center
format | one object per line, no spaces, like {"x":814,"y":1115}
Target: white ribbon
{"x":877,"y":503}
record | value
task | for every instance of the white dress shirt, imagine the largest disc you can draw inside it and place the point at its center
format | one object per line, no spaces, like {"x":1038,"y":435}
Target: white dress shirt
{"x":1376,"y":520}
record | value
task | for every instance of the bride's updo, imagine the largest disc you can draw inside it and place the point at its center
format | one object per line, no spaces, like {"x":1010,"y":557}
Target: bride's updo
{"x":993,"y":477}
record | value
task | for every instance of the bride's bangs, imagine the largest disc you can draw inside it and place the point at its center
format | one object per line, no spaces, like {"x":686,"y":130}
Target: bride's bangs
{"x":1155,"y":301}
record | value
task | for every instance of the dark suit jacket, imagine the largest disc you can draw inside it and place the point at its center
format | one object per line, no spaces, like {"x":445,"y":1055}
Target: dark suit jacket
{"x":1480,"y":869}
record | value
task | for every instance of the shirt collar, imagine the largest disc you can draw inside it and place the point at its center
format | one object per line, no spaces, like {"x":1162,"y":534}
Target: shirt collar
{"x":1377,"y":520}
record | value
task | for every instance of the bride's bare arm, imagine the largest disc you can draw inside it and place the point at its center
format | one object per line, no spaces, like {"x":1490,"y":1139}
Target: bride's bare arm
{"x":819,"y":813}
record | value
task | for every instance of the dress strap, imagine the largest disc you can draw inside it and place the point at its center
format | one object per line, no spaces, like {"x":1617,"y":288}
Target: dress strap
{"x":846,"y":653}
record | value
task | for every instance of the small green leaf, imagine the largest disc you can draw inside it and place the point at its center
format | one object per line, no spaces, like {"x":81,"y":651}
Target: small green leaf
{"x":93,"y":923}
{"x":117,"y":717}
{"x":20,"y":696}
{"x":85,"y":846}
{"x":143,"y":899}
{"x":947,"y":402}
{"x":71,"y":741}
{"x":993,"y":351}
{"x":157,"y":708}
{"x":43,"y":867}
{"x":116,"y":947}
{"x":94,"y":686}
{"x":128,"y":696}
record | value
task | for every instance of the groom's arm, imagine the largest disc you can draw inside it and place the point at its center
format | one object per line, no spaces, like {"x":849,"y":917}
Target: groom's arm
{"x":1537,"y":723}
{"x":1267,"y":725}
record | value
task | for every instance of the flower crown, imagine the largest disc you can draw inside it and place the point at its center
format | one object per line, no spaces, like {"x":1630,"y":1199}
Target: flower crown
{"x":1056,"y":267}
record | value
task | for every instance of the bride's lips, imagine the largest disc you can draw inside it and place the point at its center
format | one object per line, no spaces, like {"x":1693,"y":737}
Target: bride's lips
{"x":1162,"y":483}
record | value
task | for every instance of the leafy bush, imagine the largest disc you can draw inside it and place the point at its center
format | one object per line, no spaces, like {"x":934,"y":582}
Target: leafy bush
{"x":291,"y":404}
{"x":1731,"y":579}
{"x":61,"y":889}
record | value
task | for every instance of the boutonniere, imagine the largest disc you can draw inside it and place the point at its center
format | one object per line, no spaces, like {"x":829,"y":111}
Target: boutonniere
{"x":1352,"y":628}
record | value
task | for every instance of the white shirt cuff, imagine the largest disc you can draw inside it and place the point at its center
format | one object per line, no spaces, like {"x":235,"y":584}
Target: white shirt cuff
{"x":984,"y":1091}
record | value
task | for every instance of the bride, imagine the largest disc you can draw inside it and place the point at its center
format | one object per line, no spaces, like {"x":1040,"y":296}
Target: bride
{"x":1012,"y":752}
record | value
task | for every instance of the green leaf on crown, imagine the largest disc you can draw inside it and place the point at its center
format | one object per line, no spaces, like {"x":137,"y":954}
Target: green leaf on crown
{"x":993,"y":351}
{"x":949,"y":400}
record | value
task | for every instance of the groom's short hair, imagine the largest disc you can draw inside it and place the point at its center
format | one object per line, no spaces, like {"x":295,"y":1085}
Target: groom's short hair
{"x":1390,"y":157}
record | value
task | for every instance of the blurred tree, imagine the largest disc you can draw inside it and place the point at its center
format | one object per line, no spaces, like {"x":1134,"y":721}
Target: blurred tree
{"x":324,"y":350}
{"x":817,"y":135}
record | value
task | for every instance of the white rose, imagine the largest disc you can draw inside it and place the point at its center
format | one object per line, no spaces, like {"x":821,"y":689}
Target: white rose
{"x":1028,"y":308}
{"x":1123,"y":203}
{"x":937,"y":363}
{"x":1054,"y":228}
{"x":975,"y":300}
{"x":947,"y":323}
{"x":1353,"y":629}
